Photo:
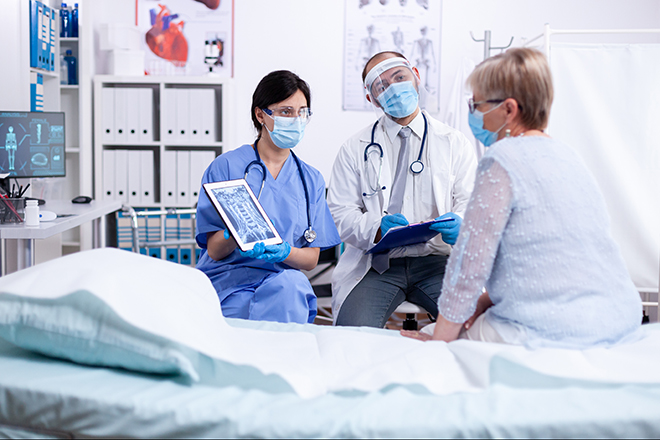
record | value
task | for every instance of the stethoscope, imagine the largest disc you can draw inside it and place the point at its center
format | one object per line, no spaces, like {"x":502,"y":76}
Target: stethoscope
{"x":309,"y":233}
{"x":416,"y":167}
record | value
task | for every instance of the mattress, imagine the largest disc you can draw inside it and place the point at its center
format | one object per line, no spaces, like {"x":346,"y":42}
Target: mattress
{"x":50,"y":398}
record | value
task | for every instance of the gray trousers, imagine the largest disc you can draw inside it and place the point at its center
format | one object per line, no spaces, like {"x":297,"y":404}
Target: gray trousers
{"x":417,"y":280}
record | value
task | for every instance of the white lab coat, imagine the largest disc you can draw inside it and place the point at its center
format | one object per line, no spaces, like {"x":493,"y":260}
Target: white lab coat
{"x":448,"y":155}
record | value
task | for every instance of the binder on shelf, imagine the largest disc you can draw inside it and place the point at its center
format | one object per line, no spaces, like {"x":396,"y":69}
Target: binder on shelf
{"x":35,"y":31}
{"x":199,"y":161}
{"x":108,"y":115}
{"x":196,"y":110}
{"x":146,"y":124}
{"x":168,"y":178}
{"x":120,"y":115}
{"x":186,"y":226}
{"x":183,"y":178}
{"x":134,"y":178}
{"x":182,"y":115}
{"x":108,"y":174}
{"x":132,"y":116}
{"x":153,"y":230}
{"x":147,"y":177}
{"x":39,"y":33}
{"x":172,"y":233}
{"x":53,"y":25}
{"x":124,"y":232}
{"x":36,"y":92}
{"x":121,"y":175}
{"x":208,"y":115}
{"x":168,"y":109}
{"x":45,"y":38}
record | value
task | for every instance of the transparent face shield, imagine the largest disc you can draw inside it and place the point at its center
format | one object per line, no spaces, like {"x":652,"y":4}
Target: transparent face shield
{"x":394,"y":87}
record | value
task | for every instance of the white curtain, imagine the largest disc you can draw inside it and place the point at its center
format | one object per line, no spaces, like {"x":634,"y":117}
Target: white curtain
{"x":607,"y":107}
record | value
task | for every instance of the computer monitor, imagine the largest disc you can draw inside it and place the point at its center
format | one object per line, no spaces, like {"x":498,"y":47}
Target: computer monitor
{"x":32,"y":144}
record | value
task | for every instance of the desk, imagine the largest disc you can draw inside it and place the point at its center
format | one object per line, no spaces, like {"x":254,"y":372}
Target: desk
{"x":82,"y":213}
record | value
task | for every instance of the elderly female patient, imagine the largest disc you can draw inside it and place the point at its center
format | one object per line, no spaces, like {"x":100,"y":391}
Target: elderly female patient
{"x":536,"y":232}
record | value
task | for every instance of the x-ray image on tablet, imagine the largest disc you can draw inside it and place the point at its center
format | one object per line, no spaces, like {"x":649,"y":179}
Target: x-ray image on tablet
{"x":242,"y":213}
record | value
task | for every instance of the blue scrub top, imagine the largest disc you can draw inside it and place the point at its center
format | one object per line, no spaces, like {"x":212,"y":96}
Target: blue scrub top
{"x":284,"y":202}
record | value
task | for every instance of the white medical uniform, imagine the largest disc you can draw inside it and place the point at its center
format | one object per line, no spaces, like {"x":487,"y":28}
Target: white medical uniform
{"x":443,"y":186}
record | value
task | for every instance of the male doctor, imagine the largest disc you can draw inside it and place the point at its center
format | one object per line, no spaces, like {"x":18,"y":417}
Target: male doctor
{"x":406,"y":168}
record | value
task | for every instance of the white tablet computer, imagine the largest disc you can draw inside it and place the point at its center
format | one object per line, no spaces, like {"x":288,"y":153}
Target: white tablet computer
{"x":242,"y":213}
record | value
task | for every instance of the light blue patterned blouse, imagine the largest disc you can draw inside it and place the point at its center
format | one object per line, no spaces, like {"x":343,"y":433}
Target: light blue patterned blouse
{"x":537,"y":235}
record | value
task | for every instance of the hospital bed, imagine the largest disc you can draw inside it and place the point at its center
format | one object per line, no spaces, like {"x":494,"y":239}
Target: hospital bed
{"x":289,"y":380}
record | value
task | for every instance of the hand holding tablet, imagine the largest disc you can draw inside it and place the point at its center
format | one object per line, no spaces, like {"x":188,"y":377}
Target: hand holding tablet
{"x":242,"y":213}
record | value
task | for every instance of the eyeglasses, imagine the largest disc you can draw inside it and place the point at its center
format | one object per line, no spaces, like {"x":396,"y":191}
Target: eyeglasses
{"x":472,"y":105}
{"x":289,"y":112}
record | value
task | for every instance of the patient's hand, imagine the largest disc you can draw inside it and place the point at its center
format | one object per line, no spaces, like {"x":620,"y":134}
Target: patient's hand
{"x":414,"y":334}
{"x":483,"y":304}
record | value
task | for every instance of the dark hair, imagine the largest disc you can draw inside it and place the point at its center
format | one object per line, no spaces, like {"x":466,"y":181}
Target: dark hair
{"x":276,"y":87}
{"x":396,"y":54}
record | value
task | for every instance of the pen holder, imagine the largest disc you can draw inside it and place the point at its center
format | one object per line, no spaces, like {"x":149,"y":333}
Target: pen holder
{"x":12,"y":210}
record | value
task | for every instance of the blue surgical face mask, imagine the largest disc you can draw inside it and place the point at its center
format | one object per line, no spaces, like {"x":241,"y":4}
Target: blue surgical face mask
{"x":399,"y":99}
{"x":476,"y":122}
{"x":287,"y":132}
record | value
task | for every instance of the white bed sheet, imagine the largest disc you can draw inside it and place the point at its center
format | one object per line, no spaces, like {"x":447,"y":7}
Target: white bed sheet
{"x":38,"y":393}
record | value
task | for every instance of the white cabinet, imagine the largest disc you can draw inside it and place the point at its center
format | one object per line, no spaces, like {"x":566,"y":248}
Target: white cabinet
{"x":155,"y":136}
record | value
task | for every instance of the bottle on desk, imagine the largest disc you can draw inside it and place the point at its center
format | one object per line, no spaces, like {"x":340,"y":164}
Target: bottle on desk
{"x":31,"y":213}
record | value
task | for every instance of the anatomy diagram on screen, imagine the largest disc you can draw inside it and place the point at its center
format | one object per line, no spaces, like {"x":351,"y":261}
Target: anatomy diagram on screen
{"x":165,"y":38}
{"x":244,"y":215}
{"x":424,"y":57}
{"x":10,"y":147}
{"x":32,"y":151}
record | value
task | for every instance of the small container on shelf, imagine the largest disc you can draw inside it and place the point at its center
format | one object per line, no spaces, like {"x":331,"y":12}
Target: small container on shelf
{"x":64,"y":71}
{"x":72,"y":68}
{"x":65,"y":22}
{"x":74,"y":21}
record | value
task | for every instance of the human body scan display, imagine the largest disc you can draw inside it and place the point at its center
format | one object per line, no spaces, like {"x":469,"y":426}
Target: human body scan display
{"x":242,"y":213}
{"x":32,"y":144}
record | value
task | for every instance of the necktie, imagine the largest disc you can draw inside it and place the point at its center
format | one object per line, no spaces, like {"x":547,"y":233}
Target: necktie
{"x":399,"y":181}
{"x":381,"y":262}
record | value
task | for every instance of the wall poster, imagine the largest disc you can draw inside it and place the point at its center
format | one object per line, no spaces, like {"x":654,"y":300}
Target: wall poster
{"x":187,"y":37}
{"x":410,"y":27}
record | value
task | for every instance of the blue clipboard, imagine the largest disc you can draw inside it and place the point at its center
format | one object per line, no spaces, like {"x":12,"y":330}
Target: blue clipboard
{"x":406,"y":235}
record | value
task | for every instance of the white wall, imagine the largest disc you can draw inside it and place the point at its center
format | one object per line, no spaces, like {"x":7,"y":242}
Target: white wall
{"x":306,"y":36}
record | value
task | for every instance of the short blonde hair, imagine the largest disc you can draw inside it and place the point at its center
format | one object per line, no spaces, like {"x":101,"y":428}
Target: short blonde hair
{"x":522,"y":74}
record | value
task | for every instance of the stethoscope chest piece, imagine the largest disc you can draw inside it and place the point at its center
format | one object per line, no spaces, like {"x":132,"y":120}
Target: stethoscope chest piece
{"x":309,"y":235}
{"x":417,"y":167}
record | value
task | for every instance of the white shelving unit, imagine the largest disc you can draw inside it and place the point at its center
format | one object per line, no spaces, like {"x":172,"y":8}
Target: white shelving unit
{"x":75,"y":101}
{"x":160,"y":143}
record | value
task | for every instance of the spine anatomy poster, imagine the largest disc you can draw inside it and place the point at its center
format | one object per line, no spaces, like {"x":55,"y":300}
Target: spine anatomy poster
{"x":410,"y":27}
{"x":187,"y":37}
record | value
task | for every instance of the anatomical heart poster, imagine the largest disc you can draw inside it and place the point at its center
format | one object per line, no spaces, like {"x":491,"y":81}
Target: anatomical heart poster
{"x":187,"y":37}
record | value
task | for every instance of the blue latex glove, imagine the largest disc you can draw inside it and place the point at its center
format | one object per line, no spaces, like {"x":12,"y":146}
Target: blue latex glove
{"x":448,"y":230}
{"x":256,"y":252}
{"x":391,"y":220}
{"x":275,"y":253}
{"x":226,"y":234}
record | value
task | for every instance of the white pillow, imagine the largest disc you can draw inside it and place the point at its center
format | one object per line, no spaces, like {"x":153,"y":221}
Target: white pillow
{"x":113,"y":308}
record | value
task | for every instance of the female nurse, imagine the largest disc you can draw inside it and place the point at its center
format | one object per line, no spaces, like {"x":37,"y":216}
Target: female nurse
{"x":266,"y":283}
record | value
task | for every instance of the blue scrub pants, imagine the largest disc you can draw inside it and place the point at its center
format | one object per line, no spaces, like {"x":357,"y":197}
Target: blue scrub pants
{"x":284,"y":296}
{"x":417,"y":280}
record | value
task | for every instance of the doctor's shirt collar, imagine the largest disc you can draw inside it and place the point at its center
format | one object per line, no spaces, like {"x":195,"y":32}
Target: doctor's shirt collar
{"x":392,"y":128}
